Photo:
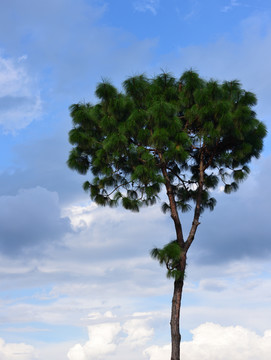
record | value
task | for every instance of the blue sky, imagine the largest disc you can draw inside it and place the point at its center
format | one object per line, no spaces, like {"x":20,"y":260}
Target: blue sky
{"x":76,"y":280}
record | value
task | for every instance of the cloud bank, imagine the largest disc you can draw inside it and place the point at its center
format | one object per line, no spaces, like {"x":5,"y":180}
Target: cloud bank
{"x":210,"y":342}
{"x":215,"y":342}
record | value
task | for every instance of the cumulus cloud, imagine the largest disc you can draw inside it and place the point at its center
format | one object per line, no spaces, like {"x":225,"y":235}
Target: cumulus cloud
{"x":80,"y":216}
{"x":155,"y":352}
{"x":100,"y":342}
{"x":215,"y":342}
{"x":103,"y":233}
{"x":20,"y":102}
{"x":138,"y":332}
{"x":210,"y":342}
{"x":112,"y":336}
{"x":30,"y":219}
{"x":10,"y":351}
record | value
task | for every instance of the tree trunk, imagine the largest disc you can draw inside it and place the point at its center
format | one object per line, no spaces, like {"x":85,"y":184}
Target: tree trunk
{"x":175,"y":314}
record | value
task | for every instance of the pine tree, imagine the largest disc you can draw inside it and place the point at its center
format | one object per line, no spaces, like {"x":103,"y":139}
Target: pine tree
{"x":184,"y":136}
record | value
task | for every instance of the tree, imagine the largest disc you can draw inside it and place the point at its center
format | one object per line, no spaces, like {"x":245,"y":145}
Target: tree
{"x":184,"y":136}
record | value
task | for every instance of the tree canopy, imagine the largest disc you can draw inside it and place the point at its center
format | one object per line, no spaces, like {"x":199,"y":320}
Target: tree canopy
{"x":163,"y":130}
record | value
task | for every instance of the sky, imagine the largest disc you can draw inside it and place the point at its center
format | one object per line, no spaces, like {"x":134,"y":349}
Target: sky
{"x":76,"y":280}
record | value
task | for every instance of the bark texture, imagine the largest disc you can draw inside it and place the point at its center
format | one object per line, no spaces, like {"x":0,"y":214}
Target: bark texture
{"x":175,"y":313}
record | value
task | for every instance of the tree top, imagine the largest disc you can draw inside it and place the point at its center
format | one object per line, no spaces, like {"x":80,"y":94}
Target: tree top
{"x":160,"y":130}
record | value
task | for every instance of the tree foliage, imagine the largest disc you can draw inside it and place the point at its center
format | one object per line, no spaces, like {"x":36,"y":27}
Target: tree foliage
{"x":159,"y":130}
{"x":187,"y":134}
{"x":169,"y":255}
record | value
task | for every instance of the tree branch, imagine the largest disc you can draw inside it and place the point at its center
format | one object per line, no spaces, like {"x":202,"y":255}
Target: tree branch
{"x":172,"y":203}
{"x":117,"y":187}
{"x":178,"y":177}
{"x":196,"y":222}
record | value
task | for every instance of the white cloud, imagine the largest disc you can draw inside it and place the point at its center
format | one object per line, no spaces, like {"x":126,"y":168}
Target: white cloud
{"x":210,"y":342}
{"x":147,"y":5}
{"x":98,"y":315}
{"x":114,"y":338}
{"x":138,"y":332}
{"x":20,"y":101}
{"x":10,"y":351}
{"x":100,"y":342}
{"x":158,"y":352}
{"x":215,"y":342}
{"x":229,"y":7}
{"x":22,"y":58}
{"x":80,"y":215}
{"x":53,"y":350}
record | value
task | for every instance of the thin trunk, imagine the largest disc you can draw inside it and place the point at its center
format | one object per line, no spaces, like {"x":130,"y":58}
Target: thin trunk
{"x":175,"y":313}
{"x":172,"y":204}
{"x":178,"y":284}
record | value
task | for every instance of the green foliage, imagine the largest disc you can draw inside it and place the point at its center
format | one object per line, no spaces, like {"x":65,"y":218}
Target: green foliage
{"x":169,"y":256}
{"x":127,"y":138}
